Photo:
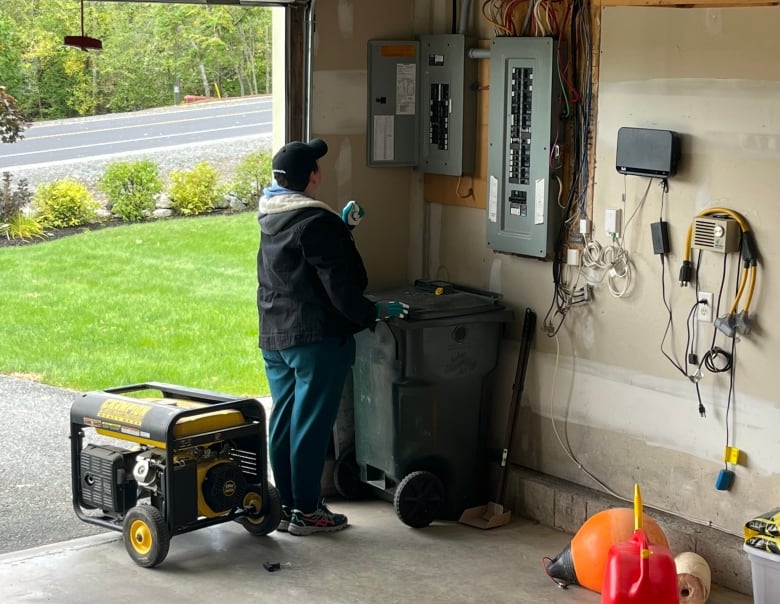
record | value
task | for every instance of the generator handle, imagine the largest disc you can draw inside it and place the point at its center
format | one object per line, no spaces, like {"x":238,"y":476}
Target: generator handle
{"x":174,"y":391}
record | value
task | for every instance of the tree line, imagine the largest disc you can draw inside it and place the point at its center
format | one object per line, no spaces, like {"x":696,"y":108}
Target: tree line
{"x":153,"y":55}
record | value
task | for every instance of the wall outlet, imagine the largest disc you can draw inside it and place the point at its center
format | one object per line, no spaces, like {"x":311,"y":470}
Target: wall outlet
{"x":613,"y":222}
{"x":704,"y":310}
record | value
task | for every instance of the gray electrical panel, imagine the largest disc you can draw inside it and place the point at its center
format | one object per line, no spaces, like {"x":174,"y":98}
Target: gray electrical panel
{"x":524,"y":124}
{"x":449,"y":105}
{"x":393,"y":103}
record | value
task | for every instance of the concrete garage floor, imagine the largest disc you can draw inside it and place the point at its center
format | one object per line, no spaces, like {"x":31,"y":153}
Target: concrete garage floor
{"x":377,"y":559}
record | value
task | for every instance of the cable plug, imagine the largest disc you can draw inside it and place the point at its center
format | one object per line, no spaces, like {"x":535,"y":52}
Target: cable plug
{"x":727,"y":325}
{"x":702,"y":410}
{"x":742,"y":322}
{"x":686,"y":273}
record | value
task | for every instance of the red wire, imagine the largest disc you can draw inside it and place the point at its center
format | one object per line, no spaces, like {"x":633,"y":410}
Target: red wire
{"x":574,"y":95}
{"x":509,"y":13}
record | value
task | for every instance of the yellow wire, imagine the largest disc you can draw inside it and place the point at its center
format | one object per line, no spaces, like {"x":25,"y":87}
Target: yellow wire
{"x":490,"y":20}
{"x":753,"y":274}
{"x":738,"y":217}
{"x":742,"y":282}
{"x":688,"y":241}
{"x":752,"y":271}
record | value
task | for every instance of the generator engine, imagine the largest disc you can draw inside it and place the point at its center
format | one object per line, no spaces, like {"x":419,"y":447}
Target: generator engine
{"x":220,"y":482}
{"x":113,"y":479}
{"x":193,"y":458}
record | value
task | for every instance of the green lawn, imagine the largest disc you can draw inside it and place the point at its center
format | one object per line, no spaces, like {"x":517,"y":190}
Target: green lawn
{"x":169,"y":301}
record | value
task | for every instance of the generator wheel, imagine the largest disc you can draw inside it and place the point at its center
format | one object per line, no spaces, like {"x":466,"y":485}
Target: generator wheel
{"x":419,"y":499}
{"x":256,"y":522}
{"x":346,"y":476}
{"x":146,"y":535}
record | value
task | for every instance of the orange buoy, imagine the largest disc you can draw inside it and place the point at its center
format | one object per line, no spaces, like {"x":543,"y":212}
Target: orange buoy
{"x":584,"y":560}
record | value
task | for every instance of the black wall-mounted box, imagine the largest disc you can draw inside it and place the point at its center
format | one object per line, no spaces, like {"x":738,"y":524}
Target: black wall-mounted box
{"x":647,"y":152}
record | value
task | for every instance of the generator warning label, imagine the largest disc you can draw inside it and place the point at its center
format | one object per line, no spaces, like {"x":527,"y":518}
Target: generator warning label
{"x":123,"y":411}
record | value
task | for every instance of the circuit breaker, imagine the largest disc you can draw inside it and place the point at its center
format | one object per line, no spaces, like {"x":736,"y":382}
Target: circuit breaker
{"x":393,"y":103}
{"x":448,"y":105}
{"x":524,"y":126}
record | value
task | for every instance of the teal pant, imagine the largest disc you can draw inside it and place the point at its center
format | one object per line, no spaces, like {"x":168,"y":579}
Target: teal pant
{"x":306,"y":384}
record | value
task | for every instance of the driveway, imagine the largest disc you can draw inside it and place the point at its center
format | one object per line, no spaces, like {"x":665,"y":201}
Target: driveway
{"x":35,"y":493}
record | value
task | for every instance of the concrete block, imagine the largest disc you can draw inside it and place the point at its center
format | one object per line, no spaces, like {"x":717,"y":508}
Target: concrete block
{"x":566,"y":505}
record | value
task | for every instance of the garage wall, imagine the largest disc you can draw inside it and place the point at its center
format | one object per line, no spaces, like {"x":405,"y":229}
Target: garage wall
{"x":339,"y":108}
{"x":621,"y":412}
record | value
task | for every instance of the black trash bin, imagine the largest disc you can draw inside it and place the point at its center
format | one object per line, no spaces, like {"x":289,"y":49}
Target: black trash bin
{"x":421,"y":396}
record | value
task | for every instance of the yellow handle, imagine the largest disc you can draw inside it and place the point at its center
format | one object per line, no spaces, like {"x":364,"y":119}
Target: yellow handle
{"x":637,"y":507}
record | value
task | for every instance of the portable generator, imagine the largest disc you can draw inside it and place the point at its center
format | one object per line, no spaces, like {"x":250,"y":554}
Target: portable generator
{"x":198,"y":458}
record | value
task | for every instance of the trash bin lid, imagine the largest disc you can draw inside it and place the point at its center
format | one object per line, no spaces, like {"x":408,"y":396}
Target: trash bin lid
{"x":441,"y":299}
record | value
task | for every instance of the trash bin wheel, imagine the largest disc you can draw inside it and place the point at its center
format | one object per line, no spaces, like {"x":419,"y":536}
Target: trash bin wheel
{"x":346,"y":476}
{"x":255,"y":521}
{"x":146,"y":535}
{"x":419,"y":498}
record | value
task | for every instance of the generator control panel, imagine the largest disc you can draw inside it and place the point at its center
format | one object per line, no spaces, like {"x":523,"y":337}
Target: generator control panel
{"x":524,"y":127}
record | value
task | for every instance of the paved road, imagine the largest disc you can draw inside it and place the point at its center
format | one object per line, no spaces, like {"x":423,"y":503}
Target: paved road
{"x":141,"y":131}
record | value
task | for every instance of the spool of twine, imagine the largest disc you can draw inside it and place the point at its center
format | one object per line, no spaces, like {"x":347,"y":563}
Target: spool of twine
{"x":693,"y":578}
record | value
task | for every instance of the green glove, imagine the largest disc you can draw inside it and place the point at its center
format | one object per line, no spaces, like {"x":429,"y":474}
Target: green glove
{"x":352,"y":214}
{"x":388,"y":309}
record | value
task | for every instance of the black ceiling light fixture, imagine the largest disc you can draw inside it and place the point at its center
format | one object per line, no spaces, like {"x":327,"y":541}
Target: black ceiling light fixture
{"x":83,"y":42}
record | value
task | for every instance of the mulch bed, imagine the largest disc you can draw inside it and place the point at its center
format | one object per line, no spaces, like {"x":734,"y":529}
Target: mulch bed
{"x":53,"y":234}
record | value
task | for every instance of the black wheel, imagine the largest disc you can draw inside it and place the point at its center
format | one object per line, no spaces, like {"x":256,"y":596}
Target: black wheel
{"x":346,"y":477}
{"x":257,"y":521}
{"x":419,"y":499}
{"x":146,"y":535}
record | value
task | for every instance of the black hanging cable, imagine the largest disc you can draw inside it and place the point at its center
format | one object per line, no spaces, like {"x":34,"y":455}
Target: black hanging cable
{"x":720,"y":295}
{"x":455,"y":16}
{"x":730,"y":396}
{"x":690,"y":337}
{"x":716,"y":359}
{"x":732,"y":367}
{"x":669,"y":323}
{"x":693,"y":355}
{"x":559,"y":298}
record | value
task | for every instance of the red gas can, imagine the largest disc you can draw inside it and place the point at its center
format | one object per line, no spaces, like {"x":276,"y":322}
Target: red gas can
{"x":638,"y":573}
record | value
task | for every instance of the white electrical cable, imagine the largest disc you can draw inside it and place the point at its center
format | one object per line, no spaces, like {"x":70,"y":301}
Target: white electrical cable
{"x":612,"y":262}
{"x":570,"y":454}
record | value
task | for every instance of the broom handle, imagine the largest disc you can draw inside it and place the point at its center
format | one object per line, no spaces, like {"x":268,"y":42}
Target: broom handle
{"x":529,"y":324}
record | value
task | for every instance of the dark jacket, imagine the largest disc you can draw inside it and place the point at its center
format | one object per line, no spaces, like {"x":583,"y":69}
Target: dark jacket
{"x":310,"y":275}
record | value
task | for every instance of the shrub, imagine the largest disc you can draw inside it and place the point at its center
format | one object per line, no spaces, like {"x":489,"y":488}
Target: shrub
{"x":21,"y":226}
{"x":131,"y":188}
{"x":65,"y":203}
{"x":12,"y":121}
{"x":194,"y":192}
{"x":252,"y":175}
{"x":13,"y":201}
{"x":14,"y":223}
